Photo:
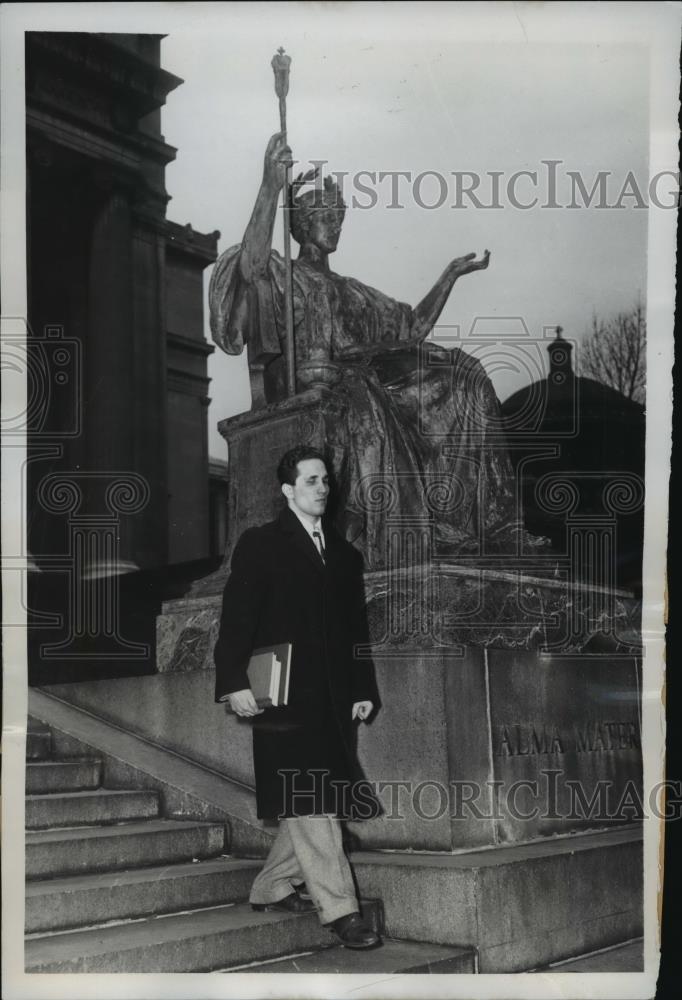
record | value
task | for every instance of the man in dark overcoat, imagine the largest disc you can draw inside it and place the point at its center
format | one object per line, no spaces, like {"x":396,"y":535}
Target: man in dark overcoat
{"x":295,"y":580}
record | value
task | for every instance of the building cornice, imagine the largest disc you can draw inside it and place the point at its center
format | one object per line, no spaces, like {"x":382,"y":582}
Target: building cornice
{"x":185,"y":239}
{"x":190,"y":344}
{"x":95,"y":60}
{"x":131,"y":151}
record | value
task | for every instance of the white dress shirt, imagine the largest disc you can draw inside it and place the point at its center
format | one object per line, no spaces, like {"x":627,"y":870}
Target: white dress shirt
{"x":310,"y":528}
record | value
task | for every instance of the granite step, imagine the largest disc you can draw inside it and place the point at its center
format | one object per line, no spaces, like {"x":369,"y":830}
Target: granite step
{"x":71,"y":850}
{"x":75,"y":774}
{"x":36,"y":725}
{"x":129,"y":761}
{"x":626,"y":957}
{"x":38,"y":744}
{"x":81,"y":900}
{"x":95,"y":806}
{"x":195,"y":941}
{"x":394,"y":956}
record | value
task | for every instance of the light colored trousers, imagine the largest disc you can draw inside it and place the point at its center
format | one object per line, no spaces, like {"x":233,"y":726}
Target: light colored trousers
{"x":310,"y":849}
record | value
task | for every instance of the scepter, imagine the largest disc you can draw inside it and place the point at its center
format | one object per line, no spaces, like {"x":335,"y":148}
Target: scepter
{"x":280,"y":65}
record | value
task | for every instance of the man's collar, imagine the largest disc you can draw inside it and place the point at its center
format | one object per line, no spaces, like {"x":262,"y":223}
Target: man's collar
{"x":308,"y":525}
{"x":288,"y":521}
{"x":294,"y":526}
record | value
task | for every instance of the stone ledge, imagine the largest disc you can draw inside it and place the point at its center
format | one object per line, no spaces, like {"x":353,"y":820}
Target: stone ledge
{"x":507,"y":855}
{"x":443,"y":606}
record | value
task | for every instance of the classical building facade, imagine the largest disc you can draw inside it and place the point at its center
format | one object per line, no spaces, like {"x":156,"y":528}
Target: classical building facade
{"x":118,"y":477}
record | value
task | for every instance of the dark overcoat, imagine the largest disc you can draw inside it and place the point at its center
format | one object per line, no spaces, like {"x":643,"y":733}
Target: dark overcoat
{"x":279,"y":590}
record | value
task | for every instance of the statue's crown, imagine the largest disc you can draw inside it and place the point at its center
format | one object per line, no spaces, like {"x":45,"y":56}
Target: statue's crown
{"x":329,"y":193}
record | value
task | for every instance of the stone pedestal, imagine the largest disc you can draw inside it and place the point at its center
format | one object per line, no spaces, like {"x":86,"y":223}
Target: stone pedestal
{"x":256,"y":442}
{"x":500,"y":722}
{"x":500,"y":747}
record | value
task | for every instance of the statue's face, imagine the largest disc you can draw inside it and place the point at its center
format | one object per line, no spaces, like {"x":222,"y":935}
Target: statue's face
{"x":324,"y":227}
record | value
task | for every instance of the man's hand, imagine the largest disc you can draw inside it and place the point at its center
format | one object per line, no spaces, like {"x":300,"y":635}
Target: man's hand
{"x":362,"y":710}
{"x":243,"y":703}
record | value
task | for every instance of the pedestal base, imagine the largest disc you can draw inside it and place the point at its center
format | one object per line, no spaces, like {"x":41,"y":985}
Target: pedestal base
{"x":520,"y":907}
{"x":470,"y":747}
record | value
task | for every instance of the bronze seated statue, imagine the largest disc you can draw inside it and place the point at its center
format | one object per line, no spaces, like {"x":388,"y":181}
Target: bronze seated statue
{"x":413,"y":429}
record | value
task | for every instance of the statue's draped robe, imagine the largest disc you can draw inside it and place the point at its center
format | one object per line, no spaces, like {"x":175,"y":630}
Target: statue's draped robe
{"x":411,"y":438}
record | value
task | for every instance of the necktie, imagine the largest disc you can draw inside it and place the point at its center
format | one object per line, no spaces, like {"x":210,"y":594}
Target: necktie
{"x":318,"y":541}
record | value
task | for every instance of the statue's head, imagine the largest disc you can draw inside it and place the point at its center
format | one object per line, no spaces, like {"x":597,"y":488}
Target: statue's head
{"x":317,"y":215}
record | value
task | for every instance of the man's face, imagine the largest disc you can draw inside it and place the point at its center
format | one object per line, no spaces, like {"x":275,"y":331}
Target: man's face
{"x":310,"y":491}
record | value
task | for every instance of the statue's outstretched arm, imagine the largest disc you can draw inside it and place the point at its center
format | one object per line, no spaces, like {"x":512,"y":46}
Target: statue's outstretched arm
{"x":425,"y":315}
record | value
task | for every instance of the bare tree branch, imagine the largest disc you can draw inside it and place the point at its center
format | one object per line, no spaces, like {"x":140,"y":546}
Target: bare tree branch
{"x":614,"y":352}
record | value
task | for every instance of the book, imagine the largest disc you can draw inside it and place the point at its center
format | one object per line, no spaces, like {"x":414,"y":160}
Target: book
{"x":268,"y":672}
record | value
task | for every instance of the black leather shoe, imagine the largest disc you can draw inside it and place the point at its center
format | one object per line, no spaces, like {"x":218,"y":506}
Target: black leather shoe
{"x":293,"y":903}
{"x":353,"y":932}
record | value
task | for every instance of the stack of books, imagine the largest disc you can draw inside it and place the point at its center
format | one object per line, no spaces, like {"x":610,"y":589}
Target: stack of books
{"x":268,"y":672}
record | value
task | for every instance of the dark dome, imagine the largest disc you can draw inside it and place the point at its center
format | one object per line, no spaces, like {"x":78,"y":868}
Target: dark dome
{"x":587,"y":433}
{"x":594,"y":398}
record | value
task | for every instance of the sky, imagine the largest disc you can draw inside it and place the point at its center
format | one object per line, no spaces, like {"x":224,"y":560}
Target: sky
{"x":411,"y":95}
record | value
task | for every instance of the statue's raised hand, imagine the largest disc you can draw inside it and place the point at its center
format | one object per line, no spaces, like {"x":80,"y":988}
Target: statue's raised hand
{"x":468,"y":263}
{"x":425,"y":315}
{"x":277,"y":156}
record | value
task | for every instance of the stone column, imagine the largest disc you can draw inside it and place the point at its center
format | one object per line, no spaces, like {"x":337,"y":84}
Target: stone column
{"x":109,"y":352}
{"x":149,"y":402}
{"x":91,"y":562}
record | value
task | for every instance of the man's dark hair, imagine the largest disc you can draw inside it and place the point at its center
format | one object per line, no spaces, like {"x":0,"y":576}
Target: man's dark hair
{"x":287,"y":470}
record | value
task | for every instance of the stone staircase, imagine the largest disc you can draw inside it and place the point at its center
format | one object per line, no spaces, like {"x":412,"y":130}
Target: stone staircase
{"x":114,"y":885}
